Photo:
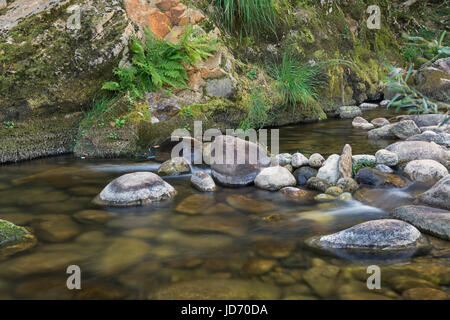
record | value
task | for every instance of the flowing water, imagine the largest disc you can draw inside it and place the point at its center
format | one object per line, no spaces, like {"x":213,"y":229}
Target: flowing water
{"x":233,"y":243}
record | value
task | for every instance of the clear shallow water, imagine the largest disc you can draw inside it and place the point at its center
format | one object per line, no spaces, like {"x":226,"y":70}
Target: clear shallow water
{"x":234,"y":243}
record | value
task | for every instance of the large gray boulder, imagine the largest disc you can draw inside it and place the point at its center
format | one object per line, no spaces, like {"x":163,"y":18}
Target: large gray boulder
{"x":274,"y":178}
{"x":330,"y":169}
{"x":439,"y":195}
{"x":404,"y":129}
{"x":429,"y":220}
{"x":244,"y":162}
{"x":384,"y":132}
{"x":418,"y":150}
{"x":426,"y":171}
{"x":441,"y":138}
{"x":135,"y":189}
{"x":425,"y":120}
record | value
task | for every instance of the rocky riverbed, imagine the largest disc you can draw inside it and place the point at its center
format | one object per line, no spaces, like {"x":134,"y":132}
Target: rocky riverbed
{"x":307,"y":229}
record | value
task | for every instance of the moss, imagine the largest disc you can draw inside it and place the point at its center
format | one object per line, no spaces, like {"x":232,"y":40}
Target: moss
{"x":10,"y":233}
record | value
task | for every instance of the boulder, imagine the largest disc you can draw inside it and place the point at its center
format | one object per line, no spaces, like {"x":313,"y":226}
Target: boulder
{"x":438,"y":195}
{"x":362,"y":123}
{"x":349,"y":112}
{"x":241,"y":167}
{"x":203,"y":181}
{"x":274,"y":178}
{"x":441,"y":138}
{"x":317,"y":184}
{"x":135,"y":189}
{"x":55,"y":227}
{"x":377,"y":178}
{"x":296,"y":194}
{"x":299,"y":160}
{"x":380,"y":122}
{"x":426,"y":120}
{"x":418,"y":150}
{"x":303,"y":174}
{"x":426,"y":171}
{"x":14,"y":238}
{"x":433,"y":83}
{"x":405,"y":129}
{"x":386,"y":157}
{"x":282,"y":159}
{"x":429,"y":220}
{"x":345,"y":162}
{"x":330,"y":169}
{"x":316,"y":160}
{"x":384,"y":132}
{"x":347,"y":184}
{"x":174,"y":167}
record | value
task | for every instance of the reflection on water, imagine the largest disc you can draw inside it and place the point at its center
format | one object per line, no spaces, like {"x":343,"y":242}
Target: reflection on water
{"x":234,"y":243}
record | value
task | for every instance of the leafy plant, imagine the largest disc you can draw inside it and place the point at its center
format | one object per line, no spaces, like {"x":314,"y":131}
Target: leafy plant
{"x":113,"y":136}
{"x":119,"y":122}
{"x":157,"y":63}
{"x":417,"y":47}
{"x":296,"y":82}
{"x":258,"y":111}
{"x":246,"y":17}
{"x":362,"y":163}
{"x":253,"y":74}
{"x":9,"y":124}
{"x":187,"y":111}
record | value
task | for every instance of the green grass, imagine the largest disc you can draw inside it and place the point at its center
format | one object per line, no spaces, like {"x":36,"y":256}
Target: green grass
{"x":295,"y":81}
{"x":363,"y":163}
{"x":246,"y":17}
{"x":257,"y":116}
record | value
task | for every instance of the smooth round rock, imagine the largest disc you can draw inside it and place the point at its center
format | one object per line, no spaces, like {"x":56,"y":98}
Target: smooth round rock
{"x":174,"y":167}
{"x":274,"y":178}
{"x":419,"y":150}
{"x":386,"y":157}
{"x":135,"y":189}
{"x":317,"y":184}
{"x":203,"y":181}
{"x":348,"y":184}
{"x":426,"y":171}
{"x":299,"y":160}
{"x":379,"y":122}
{"x":303,"y":174}
{"x":349,"y":112}
{"x":438,"y":195}
{"x":316,"y":160}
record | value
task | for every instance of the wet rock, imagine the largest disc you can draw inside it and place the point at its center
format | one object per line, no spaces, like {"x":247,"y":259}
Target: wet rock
{"x":248,"y":160}
{"x":429,"y":220}
{"x":135,"y":189}
{"x":403,"y":283}
{"x":418,"y":150}
{"x":299,"y":195}
{"x":299,"y":160}
{"x":349,"y":112}
{"x":380,"y":122}
{"x":303,"y":174}
{"x":386,"y":199}
{"x":322,"y":197}
{"x":92,"y":216}
{"x":174,"y":167}
{"x":282,"y":159}
{"x":384,"y":234}
{"x":384,"y":132}
{"x":203,"y":181}
{"x":384,"y":168}
{"x":348,"y":184}
{"x":322,"y":279}
{"x":441,"y":138}
{"x":55,"y":228}
{"x":316,"y":160}
{"x":121,"y":254}
{"x":334,"y":191}
{"x":216,"y":289}
{"x":195,"y":204}
{"x":274,"y":178}
{"x":317,"y":184}
{"x":361,"y":123}
{"x":426,"y":171}
{"x":247,"y":204}
{"x":14,"y":239}
{"x":405,"y":129}
{"x":258,"y":266}
{"x":438,"y":195}
{"x":330,"y":169}
{"x":346,"y":196}
{"x":372,"y":177}
{"x":425,"y":294}
{"x":386,"y":157}
{"x":345,"y":162}
{"x":368,"y":106}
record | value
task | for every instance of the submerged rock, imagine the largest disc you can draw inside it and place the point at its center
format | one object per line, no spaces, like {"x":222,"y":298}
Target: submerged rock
{"x":274,"y":178}
{"x":303,"y":174}
{"x":349,"y":112}
{"x":203,"y":181}
{"x":418,"y":150}
{"x":174,"y":167}
{"x":438,"y":195}
{"x":377,"y":178}
{"x":426,"y":171}
{"x":330,"y":169}
{"x":323,"y":197}
{"x":297,"y":194}
{"x":425,"y":294}
{"x":55,"y":227}
{"x":135,"y":189}
{"x":237,"y":173}
{"x":92,"y":216}
{"x":429,"y":220}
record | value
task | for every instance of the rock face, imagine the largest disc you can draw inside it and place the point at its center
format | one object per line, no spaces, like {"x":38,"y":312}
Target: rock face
{"x":429,"y":220}
{"x":245,"y":161}
{"x":345,"y":162}
{"x":203,"y":181}
{"x":174,"y":167}
{"x":135,"y":189}
{"x":386,"y":157}
{"x":299,"y":160}
{"x":303,"y":174}
{"x":382,"y":234}
{"x":362,"y":123}
{"x":349,"y":112}
{"x":330,"y":169}
{"x":427,"y":171}
{"x":274,"y":178}
{"x":438,"y":195}
{"x":376,"y":178}
{"x":316,"y":160}
{"x":418,"y":150}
